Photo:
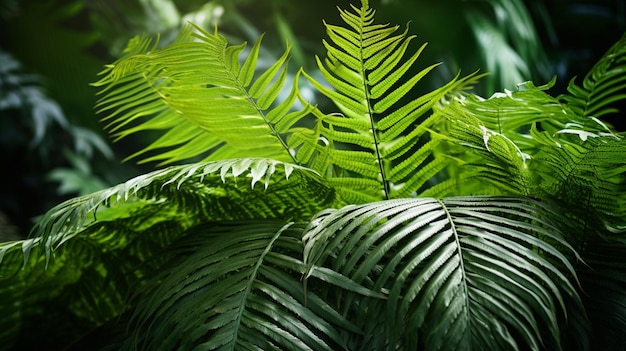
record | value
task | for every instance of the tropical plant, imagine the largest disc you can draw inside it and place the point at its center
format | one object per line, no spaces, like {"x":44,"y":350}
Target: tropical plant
{"x":440,"y":221}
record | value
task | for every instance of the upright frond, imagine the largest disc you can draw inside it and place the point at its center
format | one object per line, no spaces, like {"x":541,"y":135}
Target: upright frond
{"x":370,"y":149}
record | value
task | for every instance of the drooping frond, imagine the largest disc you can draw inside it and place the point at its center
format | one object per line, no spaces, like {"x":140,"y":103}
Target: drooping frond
{"x":198,"y":188}
{"x":513,"y":113}
{"x":90,"y":252}
{"x":602,"y":87}
{"x":235,"y":286}
{"x":371,"y":148}
{"x":462,"y":273}
{"x":196,"y":90}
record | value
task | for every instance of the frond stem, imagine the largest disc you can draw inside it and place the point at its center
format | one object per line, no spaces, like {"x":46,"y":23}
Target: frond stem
{"x":252,"y":278}
{"x":260,"y":111}
{"x":458,"y":245}
{"x":370,"y":111}
{"x":272,"y":129}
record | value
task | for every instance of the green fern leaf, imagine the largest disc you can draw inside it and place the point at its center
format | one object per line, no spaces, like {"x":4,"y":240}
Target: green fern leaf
{"x":493,"y":140}
{"x":588,"y":175}
{"x":197,"y":91}
{"x":602,"y":87}
{"x":198,"y":188}
{"x":365,"y":64}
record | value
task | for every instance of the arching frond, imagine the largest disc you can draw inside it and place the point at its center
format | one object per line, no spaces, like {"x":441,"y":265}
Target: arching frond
{"x":455,"y":271}
{"x":382,"y":125}
{"x":235,"y":286}
{"x":602,"y":87}
{"x":197,"y":91}
{"x":197,"y":189}
{"x":494,"y":139}
{"x":192,"y":193}
{"x":90,"y":252}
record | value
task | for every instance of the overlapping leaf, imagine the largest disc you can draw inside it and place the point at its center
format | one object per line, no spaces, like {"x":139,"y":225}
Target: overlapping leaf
{"x":208,"y":104}
{"x":241,"y":290}
{"x":88,"y":253}
{"x":460,"y":274}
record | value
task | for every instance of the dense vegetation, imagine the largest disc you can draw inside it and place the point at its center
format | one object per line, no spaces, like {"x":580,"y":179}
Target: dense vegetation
{"x":392,"y":215}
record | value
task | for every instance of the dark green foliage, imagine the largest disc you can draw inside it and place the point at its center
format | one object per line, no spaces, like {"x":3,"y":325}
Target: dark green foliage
{"x":433,"y":221}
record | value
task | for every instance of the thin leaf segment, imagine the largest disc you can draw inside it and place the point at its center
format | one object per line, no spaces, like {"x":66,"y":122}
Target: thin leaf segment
{"x":241,"y":289}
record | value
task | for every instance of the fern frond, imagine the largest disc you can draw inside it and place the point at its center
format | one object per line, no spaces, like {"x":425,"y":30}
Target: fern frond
{"x":371,"y":77}
{"x":588,"y":175}
{"x":454,"y":271}
{"x":493,"y":139}
{"x":288,"y":191}
{"x":513,"y":113}
{"x":196,"y":89}
{"x":602,"y":87}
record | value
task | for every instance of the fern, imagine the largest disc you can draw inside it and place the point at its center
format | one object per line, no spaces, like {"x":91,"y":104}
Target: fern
{"x":196,"y":189}
{"x":288,"y":237}
{"x":367,"y":151}
{"x":387,"y":136}
{"x":592,"y":174}
{"x":602,"y":86}
{"x":196,"y":90}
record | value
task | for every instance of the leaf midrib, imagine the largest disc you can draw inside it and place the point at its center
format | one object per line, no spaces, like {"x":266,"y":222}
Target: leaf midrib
{"x":251,"y":280}
{"x":370,"y":110}
{"x":252,"y":101}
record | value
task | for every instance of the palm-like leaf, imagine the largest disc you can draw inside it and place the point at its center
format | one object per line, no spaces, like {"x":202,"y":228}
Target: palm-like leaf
{"x":370,"y":150}
{"x":454,"y":270}
{"x":196,"y":89}
{"x":240,"y":290}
